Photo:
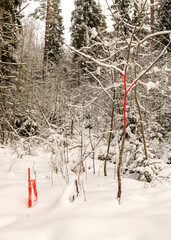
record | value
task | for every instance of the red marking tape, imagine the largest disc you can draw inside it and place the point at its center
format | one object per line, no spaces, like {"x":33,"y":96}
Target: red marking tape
{"x":31,"y":184}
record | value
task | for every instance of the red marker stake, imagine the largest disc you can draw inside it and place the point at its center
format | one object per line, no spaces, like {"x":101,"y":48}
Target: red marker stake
{"x":29,"y":190}
{"x":31,"y":184}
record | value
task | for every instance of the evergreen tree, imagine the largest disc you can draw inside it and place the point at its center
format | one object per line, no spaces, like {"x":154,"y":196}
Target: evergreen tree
{"x":88,"y":23}
{"x":10,"y":26}
{"x":56,"y":28}
{"x":9,"y":17}
{"x":88,"y":27}
{"x":121,"y":12}
{"x":9,"y":29}
{"x":46,"y":47}
{"x":164,"y":18}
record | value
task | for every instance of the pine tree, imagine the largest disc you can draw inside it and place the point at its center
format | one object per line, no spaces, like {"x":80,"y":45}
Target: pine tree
{"x":88,"y":23}
{"x":56,"y":28}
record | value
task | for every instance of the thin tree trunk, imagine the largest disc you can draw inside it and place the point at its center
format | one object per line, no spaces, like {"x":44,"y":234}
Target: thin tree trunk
{"x":141,"y":120}
{"x":121,"y":154}
{"x":141,"y":123}
{"x":110,"y":135}
{"x":139,"y":111}
{"x":17,"y":88}
{"x":2,"y":127}
{"x":152,"y":22}
{"x":1,"y":26}
{"x":138,"y":105}
{"x":46,"y":49}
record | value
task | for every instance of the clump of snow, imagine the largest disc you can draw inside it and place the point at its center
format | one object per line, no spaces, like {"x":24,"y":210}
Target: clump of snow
{"x":150,"y":85}
{"x":156,"y":69}
{"x":93,"y":32}
{"x":117,"y":15}
{"x":98,"y":71}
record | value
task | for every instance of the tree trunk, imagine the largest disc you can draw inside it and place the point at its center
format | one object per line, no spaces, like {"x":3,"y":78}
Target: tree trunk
{"x":152,"y":22}
{"x":119,"y":167}
{"x":139,"y":111}
{"x":1,"y":25}
{"x":46,"y":48}
{"x":141,"y":124}
{"x":2,"y":136}
{"x":110,"y":135}
{"x":137,"y":102}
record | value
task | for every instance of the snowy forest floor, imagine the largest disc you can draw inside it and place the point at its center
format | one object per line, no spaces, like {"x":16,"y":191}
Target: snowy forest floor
{"x":144,"y":212}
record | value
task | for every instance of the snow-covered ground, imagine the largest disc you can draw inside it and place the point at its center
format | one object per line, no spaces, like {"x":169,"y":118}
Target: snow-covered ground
{"x":144,"y":213}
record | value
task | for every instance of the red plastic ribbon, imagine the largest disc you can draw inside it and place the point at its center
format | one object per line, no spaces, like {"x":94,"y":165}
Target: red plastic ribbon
{"x":31,"y":184}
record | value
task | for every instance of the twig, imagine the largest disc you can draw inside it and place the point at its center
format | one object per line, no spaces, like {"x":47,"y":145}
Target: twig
{"x":100,"y":85}
{"x":46,"y":121}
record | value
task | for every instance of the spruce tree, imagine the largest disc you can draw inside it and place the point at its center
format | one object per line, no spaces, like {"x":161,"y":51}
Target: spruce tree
{"x":56,"y":29}
{"x":88,"y":27}
{"x":10,"y":26}
{"x":164,"y":18}
{"x":88,"y":23}
{"x":10,"y":21}
{"x":121,"y":12}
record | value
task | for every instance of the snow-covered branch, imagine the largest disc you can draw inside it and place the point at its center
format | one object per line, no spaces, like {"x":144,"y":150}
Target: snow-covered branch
{"x":101,"y":85}
{"x":154,"y":35}
{"x":149,"y":67}
{"x":98,"y":62}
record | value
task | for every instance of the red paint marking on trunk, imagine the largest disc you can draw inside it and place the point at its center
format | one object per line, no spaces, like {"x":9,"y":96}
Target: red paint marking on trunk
{"x":124,"y":106}
{"x":125,"y":95}
{"x":125,"y":102}
{"x":131,"y":86}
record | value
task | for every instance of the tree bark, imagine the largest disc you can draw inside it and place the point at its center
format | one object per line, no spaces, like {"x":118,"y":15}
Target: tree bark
{"x":2,"y":136}
{"x":1,"y":25}
{"x":141,"y":123}
{"x":152,"y":22}
{"x":110,"y":135}
{"x":137,"y":102}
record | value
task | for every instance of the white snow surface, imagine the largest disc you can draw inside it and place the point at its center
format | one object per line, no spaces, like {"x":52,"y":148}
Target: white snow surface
{"x":144,"y":212}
